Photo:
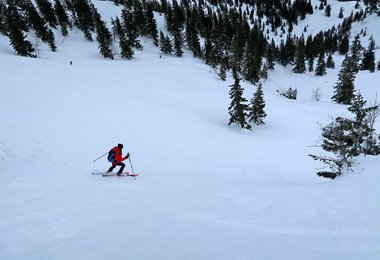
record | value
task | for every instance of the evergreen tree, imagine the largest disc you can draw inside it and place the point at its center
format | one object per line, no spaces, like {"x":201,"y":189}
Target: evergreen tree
{"x":84,"y":17}
{"x":256,"y":108}
{"x":124,"y":44}
{"x":41,"y":29}
{"x":222,"y":71}
{"x":238,"y":108}
{"x":355,"y":53}
{"x":63,"y":18}
{"x":330,"y":62}
{"x":47,"y":11}
{"x":311,"y":64}
{"x":328,"y":11}
{"x":192,"y":38}
{"x":3,"y":23}
{"x":270,"y":56}
{"x":362,"y":129}
{"x":178,"y":44}
{"x":344,"y":45}
{"x":337,"y":139}
{"x":368,"y":62}
{"x":151,"y":24}
{"x":16,"y":26}
{"x":378,"y":65}
{"x":166,"y":45}
{"x":341,"y":13}
{"x":344,"y":88}
{"x":103,"y":36}
{"x":299,"y":66}
{"x":320,"y":70}
{"x":237,"y":47}
{"x":130,"y":28}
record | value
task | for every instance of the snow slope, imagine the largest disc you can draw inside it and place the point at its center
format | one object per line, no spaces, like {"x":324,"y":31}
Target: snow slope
{"x":206,"y":190}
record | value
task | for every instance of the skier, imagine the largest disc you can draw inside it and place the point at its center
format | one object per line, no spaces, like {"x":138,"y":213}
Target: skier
{"x":115,"y":156}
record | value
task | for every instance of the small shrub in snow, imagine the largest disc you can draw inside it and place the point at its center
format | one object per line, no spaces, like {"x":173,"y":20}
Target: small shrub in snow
{"x":317,"y":94}
{"x":289,"y":93}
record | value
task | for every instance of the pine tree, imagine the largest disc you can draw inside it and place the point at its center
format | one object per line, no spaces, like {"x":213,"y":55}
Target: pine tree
{"x":256,"y":107}
{"x":328,"y":11}
{"x":103,"y":36}
{"x":299,"y":66}
{"x":166,"y":45}
{"x":355,"y":53}
{"x":178,"y":44}
{"x":222,"y":72}
{"x":330,"y":62}
{"x":125,"y":45}
{"x":344,"y":88}
{"x":311,"y":64}
{"x":62,"y":17}
{"x":238,"y":108}
{"x":130,"y":28}
{"x":338,"y":140}
{"x":320,"y":70}
{"x":270,"y":57}
{"x":378,"y":65}
{"x":368,"y":62}
{"x":344,"y":45}
{"x":151,"y":24}
{"x":341,"y":13}
{"x":192,"y":38}
{"x":41,"y":29}
{"x":84,"y":17}
{"x":47,"y":11}
{"x":16,"y":26}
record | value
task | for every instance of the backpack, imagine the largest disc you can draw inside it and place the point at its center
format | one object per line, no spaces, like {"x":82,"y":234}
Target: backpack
{"x":111,"y":155}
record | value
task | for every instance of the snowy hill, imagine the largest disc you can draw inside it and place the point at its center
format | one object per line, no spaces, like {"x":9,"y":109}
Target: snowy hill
{"x":206,"y":190}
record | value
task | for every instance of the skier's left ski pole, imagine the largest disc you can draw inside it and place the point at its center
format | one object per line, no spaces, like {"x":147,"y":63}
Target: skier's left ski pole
{"x":130,"y":162}
{"x":100,"y":157}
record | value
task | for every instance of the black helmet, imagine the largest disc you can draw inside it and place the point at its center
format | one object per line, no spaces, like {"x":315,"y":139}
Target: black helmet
{"x":120,"y":146}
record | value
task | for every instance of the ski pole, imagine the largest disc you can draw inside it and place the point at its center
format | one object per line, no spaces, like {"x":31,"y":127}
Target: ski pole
{"x":130,"y":162}
{"x":100,"y":157}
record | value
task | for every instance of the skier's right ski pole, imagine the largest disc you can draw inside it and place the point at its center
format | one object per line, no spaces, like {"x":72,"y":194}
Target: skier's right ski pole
{"x":100,"y":157}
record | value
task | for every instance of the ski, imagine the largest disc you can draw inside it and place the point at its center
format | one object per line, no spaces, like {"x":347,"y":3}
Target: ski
{"x":107,"y":173}
{"x":124,"y":174}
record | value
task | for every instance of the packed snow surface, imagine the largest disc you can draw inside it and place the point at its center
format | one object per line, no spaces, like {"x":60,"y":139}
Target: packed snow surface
{"x":206,"y":190}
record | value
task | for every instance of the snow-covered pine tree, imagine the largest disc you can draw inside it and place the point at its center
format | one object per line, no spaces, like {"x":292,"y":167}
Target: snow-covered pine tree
{"x":238,"y":107}
{"x":256,"y":112}
{"x":338,"y":140}
{"x":363,"y":125}
{"x":344,"y":88}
